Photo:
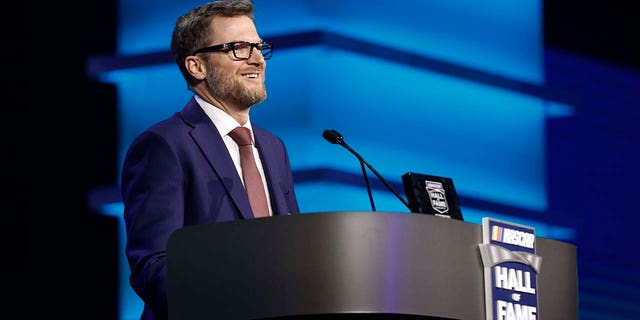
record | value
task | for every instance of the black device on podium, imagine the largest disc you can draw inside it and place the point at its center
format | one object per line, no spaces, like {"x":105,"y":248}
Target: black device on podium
{"x":346,"y":265}
{"x":431,"y":194}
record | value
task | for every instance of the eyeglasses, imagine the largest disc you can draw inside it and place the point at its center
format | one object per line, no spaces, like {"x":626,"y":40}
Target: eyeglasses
{"x":242,"y":50}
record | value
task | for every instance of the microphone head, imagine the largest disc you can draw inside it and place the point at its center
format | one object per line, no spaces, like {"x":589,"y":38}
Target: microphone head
{"x":332,"y":136}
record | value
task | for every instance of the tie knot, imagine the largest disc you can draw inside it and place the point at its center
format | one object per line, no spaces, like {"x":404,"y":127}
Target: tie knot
{"x":241,"y":135}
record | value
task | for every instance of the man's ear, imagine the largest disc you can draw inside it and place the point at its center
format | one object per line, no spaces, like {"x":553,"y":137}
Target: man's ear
{"x":196,"y":67}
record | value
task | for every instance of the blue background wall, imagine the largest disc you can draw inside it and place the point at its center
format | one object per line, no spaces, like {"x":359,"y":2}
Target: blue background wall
{"x":529,"y":134}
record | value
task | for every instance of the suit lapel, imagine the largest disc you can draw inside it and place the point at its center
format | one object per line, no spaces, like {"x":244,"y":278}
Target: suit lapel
{"x":206,"y":135}
{"x":268,"y":157}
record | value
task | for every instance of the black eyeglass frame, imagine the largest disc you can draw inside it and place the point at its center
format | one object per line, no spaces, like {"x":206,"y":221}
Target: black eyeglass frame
{"x":231,"y":46}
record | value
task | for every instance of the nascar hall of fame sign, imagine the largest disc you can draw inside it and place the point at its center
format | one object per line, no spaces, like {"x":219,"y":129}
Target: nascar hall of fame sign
{"x":511,"y":269}
{"x":435,"y":190}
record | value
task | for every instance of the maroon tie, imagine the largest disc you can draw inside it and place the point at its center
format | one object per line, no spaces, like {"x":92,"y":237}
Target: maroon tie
{"x":251,"y":175}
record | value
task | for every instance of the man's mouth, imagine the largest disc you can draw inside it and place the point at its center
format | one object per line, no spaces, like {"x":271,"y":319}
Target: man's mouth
{"x":251,"y":75}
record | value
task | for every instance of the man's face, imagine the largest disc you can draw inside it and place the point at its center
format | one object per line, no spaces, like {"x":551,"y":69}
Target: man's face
{"x":240,"y":82}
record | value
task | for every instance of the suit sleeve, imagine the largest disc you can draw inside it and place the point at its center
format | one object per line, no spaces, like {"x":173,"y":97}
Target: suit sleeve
{"x":153,"y":193}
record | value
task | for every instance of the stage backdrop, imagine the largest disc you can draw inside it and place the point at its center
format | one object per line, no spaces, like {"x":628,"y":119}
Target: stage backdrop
{"x":447,"y":88}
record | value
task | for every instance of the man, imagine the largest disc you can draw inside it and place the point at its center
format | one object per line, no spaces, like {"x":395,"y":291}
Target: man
{"x":188,"y":169}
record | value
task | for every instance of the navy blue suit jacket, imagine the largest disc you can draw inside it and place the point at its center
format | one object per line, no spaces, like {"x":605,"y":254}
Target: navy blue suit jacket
{"x":179,"y":173}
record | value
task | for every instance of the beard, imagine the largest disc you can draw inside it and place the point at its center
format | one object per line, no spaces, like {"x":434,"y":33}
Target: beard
{"x":228,"y":88}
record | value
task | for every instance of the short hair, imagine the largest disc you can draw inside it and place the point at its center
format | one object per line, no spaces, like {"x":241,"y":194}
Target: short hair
{"x":192,"y":30}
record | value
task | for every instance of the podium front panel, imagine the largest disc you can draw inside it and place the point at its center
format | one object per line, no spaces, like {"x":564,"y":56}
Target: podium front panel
{"x":347,"y":263}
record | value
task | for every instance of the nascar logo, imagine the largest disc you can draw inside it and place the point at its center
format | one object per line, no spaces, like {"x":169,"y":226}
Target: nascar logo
{"x":510,"y":270}
{"x":511,"y":236}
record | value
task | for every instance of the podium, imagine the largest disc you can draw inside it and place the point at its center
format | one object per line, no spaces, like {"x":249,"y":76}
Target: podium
{"x":347,"y":265}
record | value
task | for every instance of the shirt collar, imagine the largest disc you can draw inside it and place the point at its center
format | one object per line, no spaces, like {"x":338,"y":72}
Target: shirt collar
{"x":222,"y":120}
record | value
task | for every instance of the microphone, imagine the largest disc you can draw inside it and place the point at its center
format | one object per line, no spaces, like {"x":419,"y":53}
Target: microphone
{"x":333,"y":137}
{"x":336,"y":138}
